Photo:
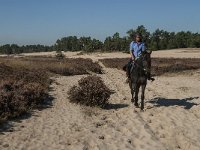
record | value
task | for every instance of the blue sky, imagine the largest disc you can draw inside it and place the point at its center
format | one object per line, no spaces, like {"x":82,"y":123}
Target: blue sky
{"x":44,"y":21}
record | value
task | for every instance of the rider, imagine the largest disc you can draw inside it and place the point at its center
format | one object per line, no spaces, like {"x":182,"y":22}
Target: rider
{"x":137,"y":47}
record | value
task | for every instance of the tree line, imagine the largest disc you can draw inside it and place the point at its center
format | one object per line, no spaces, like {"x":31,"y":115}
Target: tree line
{"x":15,"y":49}
{"x":158,"y":40}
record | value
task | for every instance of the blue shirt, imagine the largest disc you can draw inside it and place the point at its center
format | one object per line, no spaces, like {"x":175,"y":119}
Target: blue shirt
{"x":137,"y":48}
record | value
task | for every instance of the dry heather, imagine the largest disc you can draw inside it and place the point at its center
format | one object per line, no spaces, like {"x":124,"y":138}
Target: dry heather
{"x":174,"y":65}
{"x":24,"y":82}
{"x":115,"y":62}
{"x":91,"y":91}
{"x":159,"y":65}
{"x":21,"y":90}
{"x":66,"y":66}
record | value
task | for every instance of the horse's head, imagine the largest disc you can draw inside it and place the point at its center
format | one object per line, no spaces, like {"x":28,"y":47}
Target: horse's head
{"x":145,"y":60}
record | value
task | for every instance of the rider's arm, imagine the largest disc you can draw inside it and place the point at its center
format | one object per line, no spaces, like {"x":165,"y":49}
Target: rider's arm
{"x":132,"y":56}
{"x":131,"y":51}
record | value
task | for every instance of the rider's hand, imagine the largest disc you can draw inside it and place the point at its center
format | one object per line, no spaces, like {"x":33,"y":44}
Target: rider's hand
{"x":133,"y":58}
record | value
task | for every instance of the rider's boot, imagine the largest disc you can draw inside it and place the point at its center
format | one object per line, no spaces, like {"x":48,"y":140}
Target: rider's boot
{"x":149,"y":77}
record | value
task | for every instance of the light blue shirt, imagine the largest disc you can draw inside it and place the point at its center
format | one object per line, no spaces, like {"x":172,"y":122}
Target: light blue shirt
{"x":137,"y":48}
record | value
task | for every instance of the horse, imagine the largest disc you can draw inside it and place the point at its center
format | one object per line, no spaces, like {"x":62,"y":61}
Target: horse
{"x":139,"y":73}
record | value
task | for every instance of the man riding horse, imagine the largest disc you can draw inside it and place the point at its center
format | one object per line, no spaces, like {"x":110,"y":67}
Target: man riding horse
{"x":137,"y":48}
{"x":138,"y":69}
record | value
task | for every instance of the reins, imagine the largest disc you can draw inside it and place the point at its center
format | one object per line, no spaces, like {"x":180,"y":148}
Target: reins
{"x":146,"y":70}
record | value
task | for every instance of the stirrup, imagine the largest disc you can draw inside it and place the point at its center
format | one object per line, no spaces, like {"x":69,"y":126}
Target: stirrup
{"x":152,"y":79}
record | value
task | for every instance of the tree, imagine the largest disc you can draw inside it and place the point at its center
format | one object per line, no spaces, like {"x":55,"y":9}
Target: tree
{"x":107,"y":44}
{"x":6,"y":49}
{"x":141,"y":30}
{"x":159,"y":39}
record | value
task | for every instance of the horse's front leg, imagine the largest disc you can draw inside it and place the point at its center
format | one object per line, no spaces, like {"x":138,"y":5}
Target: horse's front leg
{"x":142,"y":96}
{"x":137,"y":87}
{"x":132,"y":91}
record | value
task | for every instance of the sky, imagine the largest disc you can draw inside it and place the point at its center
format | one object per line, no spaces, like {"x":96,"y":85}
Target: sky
{"x":26,"y":22}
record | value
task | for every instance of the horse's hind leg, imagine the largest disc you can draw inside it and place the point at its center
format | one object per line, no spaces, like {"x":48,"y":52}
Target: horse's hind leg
{"x":142,"y":96}
{"x":132,"y":99}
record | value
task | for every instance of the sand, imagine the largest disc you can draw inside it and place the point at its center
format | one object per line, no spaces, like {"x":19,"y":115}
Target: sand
{"x":170,"y":121}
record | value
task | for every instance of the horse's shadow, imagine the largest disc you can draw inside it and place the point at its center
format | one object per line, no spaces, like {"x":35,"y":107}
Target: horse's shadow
{"x":115,"y":106}
{"x":186,"y":102}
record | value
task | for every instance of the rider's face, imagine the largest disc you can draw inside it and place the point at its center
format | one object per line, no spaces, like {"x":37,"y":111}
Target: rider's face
{"x":138,"y":38}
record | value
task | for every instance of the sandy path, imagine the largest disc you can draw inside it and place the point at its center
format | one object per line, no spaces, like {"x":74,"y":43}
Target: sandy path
{"x":171,"y":120}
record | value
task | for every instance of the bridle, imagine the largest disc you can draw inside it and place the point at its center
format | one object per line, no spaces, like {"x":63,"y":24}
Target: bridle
{"x":141,"y":67}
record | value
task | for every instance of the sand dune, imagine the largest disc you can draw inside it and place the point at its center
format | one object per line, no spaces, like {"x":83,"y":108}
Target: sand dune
{"x":170,"y":121}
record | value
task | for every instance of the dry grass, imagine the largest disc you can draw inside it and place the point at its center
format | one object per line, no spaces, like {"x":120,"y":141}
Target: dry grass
{"x":159,"y":65}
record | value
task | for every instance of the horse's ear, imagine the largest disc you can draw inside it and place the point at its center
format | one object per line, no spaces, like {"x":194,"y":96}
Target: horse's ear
{"x":149,"y":51}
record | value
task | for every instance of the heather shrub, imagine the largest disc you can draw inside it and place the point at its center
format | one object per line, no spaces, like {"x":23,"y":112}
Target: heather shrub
{"x":174,"y":65}
{"x":21,"y":90}
{"x":115,"y":62}
{"x":91,"y":91}
{"x":160,"y":66}
{"x":65,"y":66}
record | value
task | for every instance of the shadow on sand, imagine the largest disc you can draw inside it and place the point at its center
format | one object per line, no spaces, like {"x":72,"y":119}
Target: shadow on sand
{"x":186,"y":102}
{"x":115,"y":106}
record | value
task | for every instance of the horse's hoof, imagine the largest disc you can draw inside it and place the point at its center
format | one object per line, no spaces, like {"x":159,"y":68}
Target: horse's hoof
{"x":136,"y":105}
{"x":141,"y":110}
{"x":152,"y":79}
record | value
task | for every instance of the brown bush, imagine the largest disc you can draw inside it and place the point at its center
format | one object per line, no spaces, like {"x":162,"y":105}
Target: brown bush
{"x":174,"y":65}
{"x":66,"y":66}
{"x":24,"y":82}
{"x":21,"y":90}
{"x":115,"y":62}
{"x":91,"y":91}
{"x":159,"y":65}
{"x":77,"y":66}
{"x":5,"y":70}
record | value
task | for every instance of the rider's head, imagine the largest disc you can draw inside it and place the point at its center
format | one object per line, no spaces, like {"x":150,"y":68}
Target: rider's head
{"x":138,"y":37}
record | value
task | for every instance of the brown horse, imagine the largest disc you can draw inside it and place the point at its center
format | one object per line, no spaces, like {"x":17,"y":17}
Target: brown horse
{"x":140,"y":72}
